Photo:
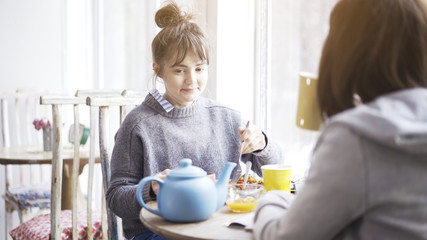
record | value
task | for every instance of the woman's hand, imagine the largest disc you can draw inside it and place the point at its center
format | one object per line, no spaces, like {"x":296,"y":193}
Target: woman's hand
{"x":161,"y":175}
{"x":253,"y":139}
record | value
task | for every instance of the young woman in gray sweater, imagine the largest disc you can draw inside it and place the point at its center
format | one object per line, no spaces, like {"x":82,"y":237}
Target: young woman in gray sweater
{"x":178,"y":124}
{"x":368,"y":177}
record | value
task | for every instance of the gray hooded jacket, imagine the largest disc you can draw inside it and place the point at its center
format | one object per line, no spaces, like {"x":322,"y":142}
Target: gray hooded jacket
{"x":367,"y":180}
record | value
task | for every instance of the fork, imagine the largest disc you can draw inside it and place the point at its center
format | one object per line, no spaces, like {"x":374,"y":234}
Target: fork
{"x":241,"y":164}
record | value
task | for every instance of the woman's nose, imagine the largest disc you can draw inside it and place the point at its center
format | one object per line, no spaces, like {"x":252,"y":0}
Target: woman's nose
{"x":191,"y":77}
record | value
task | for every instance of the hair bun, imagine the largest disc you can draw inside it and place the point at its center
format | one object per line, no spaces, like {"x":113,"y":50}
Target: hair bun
{"x":171,"y":15}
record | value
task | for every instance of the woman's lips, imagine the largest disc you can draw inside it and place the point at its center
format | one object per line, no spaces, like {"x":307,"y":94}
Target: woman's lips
{"x":190,"y":90}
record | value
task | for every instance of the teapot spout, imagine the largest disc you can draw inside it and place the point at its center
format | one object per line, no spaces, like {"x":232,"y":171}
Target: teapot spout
{"x":222,"y":184}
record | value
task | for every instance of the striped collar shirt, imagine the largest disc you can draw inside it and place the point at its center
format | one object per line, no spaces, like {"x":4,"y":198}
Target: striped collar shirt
{"x":162,"y":101}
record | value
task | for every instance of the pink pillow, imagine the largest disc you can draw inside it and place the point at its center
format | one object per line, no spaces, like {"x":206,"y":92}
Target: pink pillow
{"x":39,"y":226}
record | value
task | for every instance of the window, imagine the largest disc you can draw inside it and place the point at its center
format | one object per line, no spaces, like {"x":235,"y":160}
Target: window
{"x":261,"y":48}
{"x":298,"y":30}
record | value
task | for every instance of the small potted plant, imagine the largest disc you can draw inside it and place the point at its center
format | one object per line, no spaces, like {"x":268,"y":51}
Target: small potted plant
{"x":44,"y":123}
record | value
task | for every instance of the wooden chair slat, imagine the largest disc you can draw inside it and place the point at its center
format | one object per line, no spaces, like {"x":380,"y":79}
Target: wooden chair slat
{"x":5,"y":122}
{"x":105,"y":160}
{"x":62,"y":100}
{"x":57,"y":164}
{"x":91,"y":171}
{"x":76,"y":167}
{"x":113,"y":101}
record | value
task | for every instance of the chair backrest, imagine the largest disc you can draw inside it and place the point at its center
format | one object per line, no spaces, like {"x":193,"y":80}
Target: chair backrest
{"x":113,"y":232}
{"x":101,"y":101}
{"x":17,"y":111}
{"x":57,"y":158}
{"x":103,"y":104}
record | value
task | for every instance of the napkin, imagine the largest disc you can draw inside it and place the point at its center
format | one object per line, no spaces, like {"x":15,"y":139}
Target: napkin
{"x":246,"y":222}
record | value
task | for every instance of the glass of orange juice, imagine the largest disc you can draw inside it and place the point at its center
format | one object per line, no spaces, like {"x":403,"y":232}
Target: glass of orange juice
{"x":243,"y":200}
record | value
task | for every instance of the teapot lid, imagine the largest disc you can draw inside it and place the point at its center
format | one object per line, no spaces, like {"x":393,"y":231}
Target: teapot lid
{"x":185,"y":169}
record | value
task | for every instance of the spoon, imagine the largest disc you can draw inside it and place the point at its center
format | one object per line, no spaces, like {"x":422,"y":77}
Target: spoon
{"x":248,"y":167}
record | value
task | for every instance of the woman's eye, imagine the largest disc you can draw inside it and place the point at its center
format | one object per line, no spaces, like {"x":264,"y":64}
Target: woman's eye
{"x":199,"y":69}
{"x":179,"y":70}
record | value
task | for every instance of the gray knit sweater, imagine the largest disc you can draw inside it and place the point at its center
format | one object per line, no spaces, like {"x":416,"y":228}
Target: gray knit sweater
{"x":151,"y":140}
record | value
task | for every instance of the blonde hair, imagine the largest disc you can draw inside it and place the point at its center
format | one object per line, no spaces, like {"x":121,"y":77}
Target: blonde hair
{"x":179,"y":35}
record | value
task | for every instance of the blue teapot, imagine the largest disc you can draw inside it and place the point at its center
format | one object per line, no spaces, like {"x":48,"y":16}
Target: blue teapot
{"x":188,"y":194}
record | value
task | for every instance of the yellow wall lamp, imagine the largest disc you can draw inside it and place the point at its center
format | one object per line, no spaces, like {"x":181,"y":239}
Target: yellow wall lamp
{"x":308,"y":111}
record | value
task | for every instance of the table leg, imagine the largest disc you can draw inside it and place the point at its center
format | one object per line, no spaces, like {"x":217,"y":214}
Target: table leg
{"x":67,"y":190}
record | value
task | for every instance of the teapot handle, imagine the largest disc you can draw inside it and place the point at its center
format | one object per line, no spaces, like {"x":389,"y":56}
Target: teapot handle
{"x":139,"y":193}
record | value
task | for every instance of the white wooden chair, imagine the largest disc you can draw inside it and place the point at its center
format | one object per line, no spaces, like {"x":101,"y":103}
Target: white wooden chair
{"x":102,"y":104}
{"x":94,"y":125}
{"x":18,"y":110}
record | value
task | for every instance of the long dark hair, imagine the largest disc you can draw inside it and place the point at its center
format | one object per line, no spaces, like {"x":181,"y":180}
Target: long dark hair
{"x":374,"y":47}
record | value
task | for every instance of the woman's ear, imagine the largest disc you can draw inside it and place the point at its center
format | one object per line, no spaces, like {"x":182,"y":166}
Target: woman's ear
{"x":156,"y":68}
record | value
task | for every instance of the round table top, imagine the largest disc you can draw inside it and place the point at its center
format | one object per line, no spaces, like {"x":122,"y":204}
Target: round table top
{"x":213,"y":228}
{"x":34,"y":154}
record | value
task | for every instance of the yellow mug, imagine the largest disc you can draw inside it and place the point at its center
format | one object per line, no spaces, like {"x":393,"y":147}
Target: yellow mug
{"x":277,"y":177}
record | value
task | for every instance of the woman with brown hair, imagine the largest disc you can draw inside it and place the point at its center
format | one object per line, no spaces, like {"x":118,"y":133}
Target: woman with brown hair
{"x":369,"y":167}
{"x":178,"y":123}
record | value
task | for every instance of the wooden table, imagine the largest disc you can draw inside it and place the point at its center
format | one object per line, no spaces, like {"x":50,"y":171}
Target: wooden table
{"x":23,"y":155}
{"x":212,"y":228}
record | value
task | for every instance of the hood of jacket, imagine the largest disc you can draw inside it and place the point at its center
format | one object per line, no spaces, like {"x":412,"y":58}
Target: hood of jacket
{"x":398,"y":120}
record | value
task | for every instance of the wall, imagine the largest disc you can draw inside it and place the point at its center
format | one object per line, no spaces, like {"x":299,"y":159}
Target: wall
{"x":30,"y":44}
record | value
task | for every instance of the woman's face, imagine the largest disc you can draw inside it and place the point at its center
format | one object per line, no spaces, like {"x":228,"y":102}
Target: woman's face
{"x":184,"y":82}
